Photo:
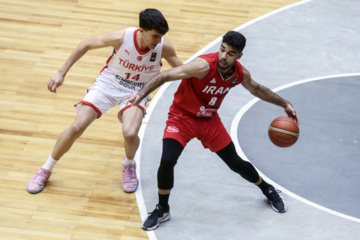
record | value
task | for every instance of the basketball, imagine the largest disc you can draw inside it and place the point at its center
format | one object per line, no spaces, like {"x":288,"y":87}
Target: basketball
{"x":283,"y":132}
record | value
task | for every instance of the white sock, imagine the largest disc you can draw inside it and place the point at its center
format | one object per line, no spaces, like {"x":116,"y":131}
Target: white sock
{"x":127,"y":161}
{"x":50,"y":163}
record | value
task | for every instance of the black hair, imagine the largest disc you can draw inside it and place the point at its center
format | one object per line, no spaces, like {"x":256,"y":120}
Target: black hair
{"x":152,"y":19}
{"x":235,"y":40}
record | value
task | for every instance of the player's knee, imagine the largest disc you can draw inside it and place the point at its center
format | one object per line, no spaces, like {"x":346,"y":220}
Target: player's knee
{"x":246,"y":171}
{"x":238,"y":165}
{"x":130,"y":136}
{"x":76,"y":130}
{"x":167,"y":162}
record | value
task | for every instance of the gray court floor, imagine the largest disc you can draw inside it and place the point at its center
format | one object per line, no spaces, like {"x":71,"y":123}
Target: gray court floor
{"x":315,"y":41}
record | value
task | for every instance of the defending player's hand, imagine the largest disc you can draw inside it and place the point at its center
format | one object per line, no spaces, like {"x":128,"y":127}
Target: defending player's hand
{"x":55,"y":82}
{"x":134,"y":99}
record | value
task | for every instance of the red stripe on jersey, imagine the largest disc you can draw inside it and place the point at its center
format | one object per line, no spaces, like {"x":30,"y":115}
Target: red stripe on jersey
{"x":107,"y":62}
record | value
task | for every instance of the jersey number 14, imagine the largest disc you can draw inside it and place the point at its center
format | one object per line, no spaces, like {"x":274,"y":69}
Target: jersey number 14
{"x":136,"y":77}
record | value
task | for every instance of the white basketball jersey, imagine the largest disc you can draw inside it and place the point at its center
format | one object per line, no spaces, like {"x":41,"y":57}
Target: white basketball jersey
{"x":130,"y":68}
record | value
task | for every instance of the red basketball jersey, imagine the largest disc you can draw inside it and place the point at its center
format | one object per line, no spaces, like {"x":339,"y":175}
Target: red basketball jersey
{"x":202,"y":98}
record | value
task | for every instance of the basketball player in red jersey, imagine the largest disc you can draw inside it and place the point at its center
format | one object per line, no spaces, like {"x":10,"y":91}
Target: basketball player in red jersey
{"x":135,"y":58}
{"x":206,"y":81}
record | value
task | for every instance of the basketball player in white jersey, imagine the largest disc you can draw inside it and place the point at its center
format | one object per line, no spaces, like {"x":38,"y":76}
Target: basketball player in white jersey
{"x":136,"y":57}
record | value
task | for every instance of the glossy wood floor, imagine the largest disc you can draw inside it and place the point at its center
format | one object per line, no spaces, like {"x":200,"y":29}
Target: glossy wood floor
{"x":83,"y":199}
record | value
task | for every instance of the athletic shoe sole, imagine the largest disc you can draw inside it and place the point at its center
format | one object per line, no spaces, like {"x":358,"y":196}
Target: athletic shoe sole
{"x":275,"y":209}
{"x":134,"y":189}
{"x":164,"y":219}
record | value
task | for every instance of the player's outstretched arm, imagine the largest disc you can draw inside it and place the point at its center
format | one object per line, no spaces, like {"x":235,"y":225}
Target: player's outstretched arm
{"x":198,"y":68}
{"x":267,"y":95}
{"x":113,"y":39}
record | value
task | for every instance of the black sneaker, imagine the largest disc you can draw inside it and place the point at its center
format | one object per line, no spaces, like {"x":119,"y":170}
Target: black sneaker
{"x":276,"y":200}
{"x":159,"y":215}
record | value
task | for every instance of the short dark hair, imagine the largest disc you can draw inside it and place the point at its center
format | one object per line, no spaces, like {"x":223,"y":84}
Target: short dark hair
{"x":152,"y":19}
{"x":235,"y":40}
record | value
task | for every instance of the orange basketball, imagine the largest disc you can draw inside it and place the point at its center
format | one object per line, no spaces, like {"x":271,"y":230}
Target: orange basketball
{"x":283,"y":132}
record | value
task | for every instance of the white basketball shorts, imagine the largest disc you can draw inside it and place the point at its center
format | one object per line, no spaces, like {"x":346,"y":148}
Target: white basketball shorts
{"x":102,"y":96}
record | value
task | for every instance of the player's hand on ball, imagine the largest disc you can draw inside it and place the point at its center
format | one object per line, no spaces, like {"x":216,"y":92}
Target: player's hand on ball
{"x":290,"y":111}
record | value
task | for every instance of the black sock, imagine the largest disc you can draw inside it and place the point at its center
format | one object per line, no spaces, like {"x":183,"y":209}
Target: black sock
{"x":264,"y":186}
{"x":164,"y":201}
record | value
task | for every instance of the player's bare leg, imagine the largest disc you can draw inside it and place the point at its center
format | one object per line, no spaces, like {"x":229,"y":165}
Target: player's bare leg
{"x":131,"y":118}
{"x":86,"y":115}
{"x":84,"y":118}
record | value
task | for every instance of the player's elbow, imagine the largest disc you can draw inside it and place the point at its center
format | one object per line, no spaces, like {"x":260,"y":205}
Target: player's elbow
{"x":84,"y":46}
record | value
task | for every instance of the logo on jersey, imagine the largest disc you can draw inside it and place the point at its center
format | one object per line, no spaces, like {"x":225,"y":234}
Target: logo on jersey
{"x":129,"y":84}
{"x":233,"y":83}
{"x":206,"y":112}
{"x":172,"y":129}
{"x":153,"y":57}
{"x":139,"y":58}
{"x":213,"y":80}
{"x":127,"y":52}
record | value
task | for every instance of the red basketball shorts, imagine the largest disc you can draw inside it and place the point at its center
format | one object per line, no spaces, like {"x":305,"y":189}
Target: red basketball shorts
{"x":210,"y":131}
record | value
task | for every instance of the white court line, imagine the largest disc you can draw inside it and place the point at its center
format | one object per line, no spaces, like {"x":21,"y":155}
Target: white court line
{"x":234,"y":136}
{"x":138,"y":193}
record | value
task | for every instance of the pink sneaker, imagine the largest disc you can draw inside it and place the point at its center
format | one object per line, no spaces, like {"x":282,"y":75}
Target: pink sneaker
{"x":129,"y":180}
{"x":36,"y":184}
